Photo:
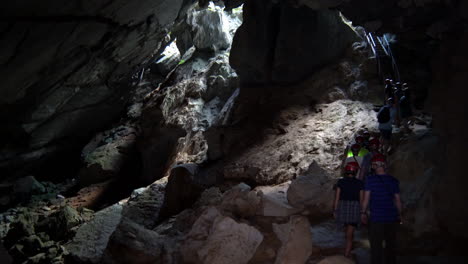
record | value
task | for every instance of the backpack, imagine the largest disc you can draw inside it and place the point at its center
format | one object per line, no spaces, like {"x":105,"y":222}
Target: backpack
{"x":384,"y":115}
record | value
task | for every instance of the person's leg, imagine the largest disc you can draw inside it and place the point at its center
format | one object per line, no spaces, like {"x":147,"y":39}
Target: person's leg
{"x":390,"y":242}
{"x":349,"y":239}
{"x":376,"y":237}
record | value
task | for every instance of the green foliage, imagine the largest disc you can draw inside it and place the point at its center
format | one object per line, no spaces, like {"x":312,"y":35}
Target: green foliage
{"x":181,"y":62}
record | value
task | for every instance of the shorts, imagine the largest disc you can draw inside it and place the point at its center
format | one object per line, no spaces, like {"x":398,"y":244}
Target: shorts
{"x":386,"y":134}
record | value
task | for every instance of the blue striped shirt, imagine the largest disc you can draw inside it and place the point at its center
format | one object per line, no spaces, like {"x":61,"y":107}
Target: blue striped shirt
{"x":382,"y":192}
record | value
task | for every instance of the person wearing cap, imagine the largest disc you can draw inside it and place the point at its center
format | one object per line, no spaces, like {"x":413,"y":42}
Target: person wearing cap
{"x":382,"y":195}
{"x":405,"y":108}
{"x":359,"y":140}
{"x":387,"y":127}
{"x":388,"y":88}
{"x":355,"y":157}
{"x":366,"y":135}
{"x":374,"y":145}
{"x":346,"y":205}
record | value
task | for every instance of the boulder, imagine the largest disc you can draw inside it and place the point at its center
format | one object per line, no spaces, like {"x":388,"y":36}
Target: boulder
{"x":27,"y":186}
{"x":132,"y":243}
{"x":241,"y":201}
{"x":313,"y":189}
{"x":168,"y":60}
{"x":230,"y":242}
{"x":197,"y":236}
{"x":91,"y":238}
{"x":209,"y":29}
{"x":106,"y":155}
{"x":274,"y":201}
{"x":336,"y":260}
{"x":144,"y":206}
{"x":182,"y":190}
{"x":296,"y":240}
{"x":60,"y":225}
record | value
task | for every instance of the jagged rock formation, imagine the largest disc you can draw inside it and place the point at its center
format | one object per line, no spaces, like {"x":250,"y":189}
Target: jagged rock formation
{"x":289,"y":44}
{"x":77,"y":59}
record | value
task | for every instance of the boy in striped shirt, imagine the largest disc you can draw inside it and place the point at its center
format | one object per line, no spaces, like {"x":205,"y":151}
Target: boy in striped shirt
{"x":382,"y":193}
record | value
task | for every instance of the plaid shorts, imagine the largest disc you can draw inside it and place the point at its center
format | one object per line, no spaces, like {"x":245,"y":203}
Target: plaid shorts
{"x":348,"y":212}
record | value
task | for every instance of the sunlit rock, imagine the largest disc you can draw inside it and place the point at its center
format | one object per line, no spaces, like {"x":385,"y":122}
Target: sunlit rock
{"x":275,"y":202}
{"x":313,"y":189}
{"x":241,"y":201}
{"x":230,"y":242}
{"x":296,"y":240}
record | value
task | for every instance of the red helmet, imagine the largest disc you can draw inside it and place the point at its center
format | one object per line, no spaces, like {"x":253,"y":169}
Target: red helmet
{"x":378,"y":158}
{"x":356,"y":147}
{"x":366,"y":134}
{"x":352,"y":166}
{"x":359,"y":139}
{"x":374,"y":142}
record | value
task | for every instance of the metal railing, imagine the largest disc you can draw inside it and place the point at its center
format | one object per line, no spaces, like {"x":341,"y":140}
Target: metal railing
{"x":381,"y":43}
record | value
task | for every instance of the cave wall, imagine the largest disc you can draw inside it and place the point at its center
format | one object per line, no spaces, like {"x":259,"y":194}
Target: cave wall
{"x":279,"y":42}
{"x":66,"y":68}
{"x":447,"y":101}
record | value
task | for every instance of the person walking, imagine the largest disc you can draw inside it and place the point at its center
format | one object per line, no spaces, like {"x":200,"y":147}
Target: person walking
{"x":382,"y":194}
{"x":386,"y":117}
{"x":348,"y":197}
{"x":405,"y":109}
{"x":374,"y":145}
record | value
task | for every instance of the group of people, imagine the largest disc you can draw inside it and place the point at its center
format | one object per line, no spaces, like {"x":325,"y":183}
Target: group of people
{"x":367,"y":195}
{"x":396,"y":110}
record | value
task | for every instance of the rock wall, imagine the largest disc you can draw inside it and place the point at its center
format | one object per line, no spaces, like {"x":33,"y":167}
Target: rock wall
{"x":65,"y":69}
{"x":282,"y":43}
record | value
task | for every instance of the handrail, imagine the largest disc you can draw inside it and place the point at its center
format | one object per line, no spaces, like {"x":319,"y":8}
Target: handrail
{"x":394,"y":64}
{"x":372,"y":44}
{"x":385,"y":47}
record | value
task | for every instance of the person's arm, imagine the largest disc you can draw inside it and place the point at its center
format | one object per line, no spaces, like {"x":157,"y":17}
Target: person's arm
{"x":398,"y":205}
{"x":335,"y":202}
{"x":364,"y":204}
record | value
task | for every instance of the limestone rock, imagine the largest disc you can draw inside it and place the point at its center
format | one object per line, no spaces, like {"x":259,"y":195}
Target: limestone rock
{"x":318,"y":134}
{"x":183,"y":188}
{"x":296,"y":241}
{"x":78,"y":71}
{"x":197,"y":236}
{"x":278,"y":56}
{"x":312,"y":189}
{"x":241,"y":201}
{"x":132,"y":243}
{"x":275,"y":202}
{"x":60,"y":225}
{"x":144,"y":208}
{"x":106,"y":155}
{"x":91,"y":238}
{"x":230,"y":242}
{"x":210,"y":29}
{"x":27,"y":186}
{"x":336,"y":260}
{"x":168,"y":60}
